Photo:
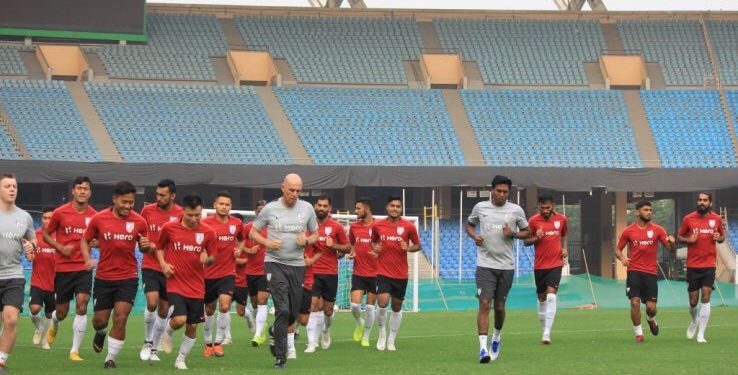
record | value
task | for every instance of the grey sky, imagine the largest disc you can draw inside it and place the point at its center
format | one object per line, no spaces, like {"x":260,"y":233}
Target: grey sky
{"x":616,"y":5}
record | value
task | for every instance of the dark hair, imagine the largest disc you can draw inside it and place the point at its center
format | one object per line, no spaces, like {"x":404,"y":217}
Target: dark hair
{"x":260,"y":203}
{"x":366,"y":201}
{"x":47,"y":209}
{"x":81,"y":180}
{"x":123,"y":188}
{"x":394,"y":197}
{"x":7,"y":175}
{"x":500,"y":179}
{"x":546,"y":198}
{"x":642,"y":203}
{"x":191,"y":201}
{"x":709,"y":196}
{"x":237,"y":216}
{"x":325,"y":197}
{"x":169,"y":184}
{"x":224,"y":194}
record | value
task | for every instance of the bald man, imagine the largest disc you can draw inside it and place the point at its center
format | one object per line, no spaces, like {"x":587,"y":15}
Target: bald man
{"x":288,"y":221}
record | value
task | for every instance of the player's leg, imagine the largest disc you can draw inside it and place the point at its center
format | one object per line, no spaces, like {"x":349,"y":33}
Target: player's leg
{"x":259,"y":294}
{"x":280,"y":287}
{"x":705,"y":308}
{"x":486,"y":284}
{"x":503,"y":283}
{"x":34,"y":310}
{"x":328,"y":295}
{"x":551,"y":284}
{"x":64,"y":291}
{"x":117,"y":335}
{"x":693,"y":290}
{"x":634,"y":289}
{"x":398,"y":296}
{"x":357,"y":294}
{"x":384,"y":288}
{"x":650,"y":294}
{"x":539,"y":276}
{"x":188,"y":341}
{"x":82,"y":290}
{"x":49,"y":302}
{"x":211,"y":299}
{"x":223,"y":321}
{"x":151,"y":283}
{"x":11,"y":298}
{"x":371,"y":312}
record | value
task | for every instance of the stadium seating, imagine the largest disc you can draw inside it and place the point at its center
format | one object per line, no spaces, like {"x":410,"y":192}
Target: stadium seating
{"x":524,"y":52}
{"x":337,"y":50}
{"x":372,"y":126}
{"x":7,"y":149}
{"x":724,"y":38}
{"x":10,"y":61}
{"x":179,"y":48}
{"x":678,"y":46}
{"x":733,"y":232}
{"x":187,"y":123}
{"x":582,"y":129}
{"x":47,"y":120}
{"x":689,"y":128}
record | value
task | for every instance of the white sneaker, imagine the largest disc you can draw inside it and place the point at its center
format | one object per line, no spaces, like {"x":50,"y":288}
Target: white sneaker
{"x":310,"y":348}
{"x":45,"y":345}
{"x":227,"y":341}
{"x":495,"y":348}
{"x":154,"y":357}
{"x":250,"y":323}
{"x":325,"y":339}
{"x":382,"y":340}
{"x":36,"y":337}
{"x":291,"y":354}
{"x":691,"y":330}
{"x":179,"y":364}
{"x":391,"y":346}
{"x":145,"y":353}
{"x":546,"y":339}
{"x":701,"y":340}
{"x":166,"y":343}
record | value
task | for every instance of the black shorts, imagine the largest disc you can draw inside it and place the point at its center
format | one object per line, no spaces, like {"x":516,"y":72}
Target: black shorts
{"x":642,"y":285}
{"x":545,"y":278}
{"x":192,"y":308}
{"x":395,"y":287}
{"x":257,"y":283}
{"x":307,"y":300}
{"x":367,"y":284}
{"x":215,"y":287}
{"x":108,"y":292}
{"x":700,"y":277}
{"x":326,"y":287}
{"x":241,"y":295}
{"x":493,"y":284}
{"x":43,"y":297}
{"x":68,"y":284}
{"x":154,"y":281}
{"x":12,"y":292}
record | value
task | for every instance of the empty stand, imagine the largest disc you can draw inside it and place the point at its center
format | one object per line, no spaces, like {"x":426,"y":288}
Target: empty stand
{"x":563,"y":128}
{"x":372,"y":126}
{"x":11,"y":62}
{"x":187,"y":123}
{"x":724,"y":37}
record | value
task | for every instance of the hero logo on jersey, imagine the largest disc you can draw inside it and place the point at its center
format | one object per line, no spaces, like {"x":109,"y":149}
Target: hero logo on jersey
{"x":712,"y":223}
{"x":400,"y":231}
{"x":557,"y":224}
{"x":199,"y":237}
{"x":129,"y":226}
{"x":649,"y":234}
{"x":232,"y":229}
{"x":328,"y":231}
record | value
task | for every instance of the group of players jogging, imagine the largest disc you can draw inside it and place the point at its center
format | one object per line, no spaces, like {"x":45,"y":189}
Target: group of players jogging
{"x":193,"y":266}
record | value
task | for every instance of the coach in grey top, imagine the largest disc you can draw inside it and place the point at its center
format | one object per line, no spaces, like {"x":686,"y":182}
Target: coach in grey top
{"x":288,"y":220}
{"x":16,"y":237}
{"x":500,"y":222}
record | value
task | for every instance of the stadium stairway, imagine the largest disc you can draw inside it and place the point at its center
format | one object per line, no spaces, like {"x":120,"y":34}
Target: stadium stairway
{"x":12,"y":133}
{"x":641,"y":129}
{"x":99,"y":134}
{"x":429,"y":35}
{"x":462,"y":127}
{"x":284,"y":127}
{"x":612,"y":37}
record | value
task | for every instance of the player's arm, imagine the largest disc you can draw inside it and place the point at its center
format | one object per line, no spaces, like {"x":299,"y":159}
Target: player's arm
{"x":241,"y":261}
{"x":523,"y":228}
{"x":309,"y":261}
{"x":619,"y":250}
{"x":84,"y":244}
{"x":668,"y":242}
{"x":240,"y":246}
{"x":259,"y":239}
{"x":684,"y":234}
{"x":719,"y":235}
{"x":341,"y":244}
{"x":29,"y":243}
{"x":534,"y":238}
{"x":144,"y":243}
{"x":65,"y":251}
{"x":305,"y":239}
{"x":414,"y":240}
{"x":206,"y":257}
{"x":471,"y":224}
{"x":166,"y":268}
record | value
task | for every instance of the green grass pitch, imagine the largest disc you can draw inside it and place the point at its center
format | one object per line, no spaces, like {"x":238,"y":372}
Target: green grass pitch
{"x":584,"y":342}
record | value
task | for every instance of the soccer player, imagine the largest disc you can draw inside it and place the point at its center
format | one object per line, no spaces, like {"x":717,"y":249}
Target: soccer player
{"x":700,"y":230}
{"x":642,"y":239}
{"x":42,"y":283}
{"x":16,"y":238}
{"x":220,"y":278}
{"x":256,"y":278}
{"x":183,"y":247}
{"x":548,"y":229}
{"x":241,"y":288}
{"x":73,"y":280}
{"x":332,"y":241}
{"x":364,"y":277}
{"x":157,"y":310}
{"x":307,"y":300}
{"x":118,"y":230}
{"x":392,"y":239}
{"x":288,"y":220}
{"x":496,"y":219}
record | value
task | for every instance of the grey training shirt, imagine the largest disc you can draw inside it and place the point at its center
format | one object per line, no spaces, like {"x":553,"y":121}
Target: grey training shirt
{"x":14,"y":226}
{"x":497,"y":250}
{"x":285,"y":224}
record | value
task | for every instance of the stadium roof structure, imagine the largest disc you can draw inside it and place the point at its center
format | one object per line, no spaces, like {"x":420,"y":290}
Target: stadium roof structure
{"x":564,"y":5}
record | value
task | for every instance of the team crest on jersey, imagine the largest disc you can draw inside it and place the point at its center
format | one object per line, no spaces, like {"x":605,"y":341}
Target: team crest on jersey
{"x":557,"y":224}
{"x":172,"y":218}
{"x":199,"y":237}
{"x":370,"y":232}
{"x":400,"y":231}
{"x":712,"y":223}
{"x":87,"y":221}
{"x":21,"y":227}
{"x":649,"y":234}
{"x":507,"y":216}
{"x":328,"y":231}
{"x":232,"y":229}
{"x":300,"y":216}
{"x":129,"y":226}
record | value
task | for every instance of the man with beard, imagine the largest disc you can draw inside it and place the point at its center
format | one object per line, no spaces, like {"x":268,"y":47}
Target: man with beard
{"x":642,"y":239}
{"x":700,"y":230}
{"x":549,"y":230}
